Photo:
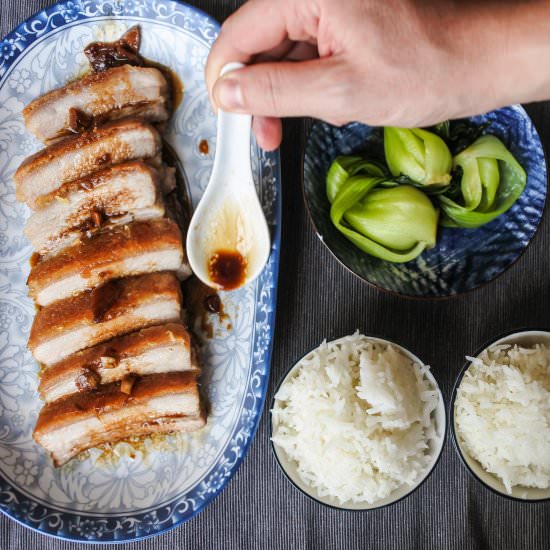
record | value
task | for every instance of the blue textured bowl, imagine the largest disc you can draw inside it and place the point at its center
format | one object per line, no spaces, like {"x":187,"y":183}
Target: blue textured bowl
{"x":463,"y":259}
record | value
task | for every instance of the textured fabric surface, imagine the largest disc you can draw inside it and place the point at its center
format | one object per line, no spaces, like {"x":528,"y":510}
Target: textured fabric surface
{"x":318,"y":299}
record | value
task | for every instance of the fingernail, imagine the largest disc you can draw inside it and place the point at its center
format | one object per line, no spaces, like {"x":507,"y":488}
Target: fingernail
{"x":229,"y":94}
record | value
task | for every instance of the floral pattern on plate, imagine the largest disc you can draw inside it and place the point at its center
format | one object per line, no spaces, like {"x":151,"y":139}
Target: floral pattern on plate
{"x":140,"y":490}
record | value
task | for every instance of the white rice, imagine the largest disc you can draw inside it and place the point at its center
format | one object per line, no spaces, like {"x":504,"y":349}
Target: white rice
{"x":502,"y":414}
{"x":356,"y":419}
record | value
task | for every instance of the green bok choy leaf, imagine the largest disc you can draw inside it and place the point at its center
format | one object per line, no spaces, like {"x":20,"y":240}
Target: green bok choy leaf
{"x":492,"y":180}
{"x":343,"y":167}
{"x":421,"y":156}
{"x":394,"y":224}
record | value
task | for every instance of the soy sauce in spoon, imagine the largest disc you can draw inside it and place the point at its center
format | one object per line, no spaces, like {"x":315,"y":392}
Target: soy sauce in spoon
{"x":227,"y":268}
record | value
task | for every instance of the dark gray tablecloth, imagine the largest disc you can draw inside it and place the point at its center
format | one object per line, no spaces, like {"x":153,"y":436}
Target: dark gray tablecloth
{"x":318,"y":299}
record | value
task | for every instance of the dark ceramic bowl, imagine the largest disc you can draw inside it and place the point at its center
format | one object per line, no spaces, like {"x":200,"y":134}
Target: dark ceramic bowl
{"x":525,"y":337}
{"x":289,"y":467}
{"x":463,"y":259}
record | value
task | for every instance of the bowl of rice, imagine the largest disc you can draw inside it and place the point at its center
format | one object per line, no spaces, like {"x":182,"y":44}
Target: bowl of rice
{"x":358,"y":423}
{"x":501,"y":415}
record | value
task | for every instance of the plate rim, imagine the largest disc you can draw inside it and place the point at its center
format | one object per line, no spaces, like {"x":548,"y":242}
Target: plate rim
{"x":117,"y":11}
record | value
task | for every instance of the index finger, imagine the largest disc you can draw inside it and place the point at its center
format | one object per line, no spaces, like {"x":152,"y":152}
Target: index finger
{"x":256,"y":27}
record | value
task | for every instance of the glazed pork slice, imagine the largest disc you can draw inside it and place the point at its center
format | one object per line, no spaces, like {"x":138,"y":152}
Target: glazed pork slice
{"x":160,"y":403}
{"x":159,"y":349}
{"x":99,"y":97}
{"x":82,"y":155}
{"x":119,"y":194}
{"x":122,"y":251}
{"x":113,"y":309}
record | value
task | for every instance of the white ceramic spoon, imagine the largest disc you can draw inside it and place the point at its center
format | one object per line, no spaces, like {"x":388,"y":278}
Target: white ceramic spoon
{"x":228,"y":229}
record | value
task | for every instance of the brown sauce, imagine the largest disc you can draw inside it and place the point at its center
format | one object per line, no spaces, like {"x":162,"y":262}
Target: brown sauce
{"x":212,"y":303}
{"x":227,"y":268}
{"x":79,"y":120}
{"x":203,"y":147}
{"x":34,"y":259}
{"x":90,"y":225}
{"x":87,"y":380}
{"x":178,"y":201}
{"x":109,"y":360}
{"x":125,"y":51}
{"x":173,"y":79}
{"x":103,"y":299}
{"x":97,"y":218}
{"x":85,"y":184}
{"x":177,"y":89}
{"x":202,"y":302}
{"x":104,"y":159}
{"x":127,"y":383}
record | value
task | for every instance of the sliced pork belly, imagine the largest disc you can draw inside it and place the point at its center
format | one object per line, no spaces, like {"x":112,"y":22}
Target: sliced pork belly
{"x":122,"y":251}
{"x":113,"y":309}
{"x":161,"y":403}
{"x":122,"y":193}
{"x":160,"y":349}
{"x":81,"y":155}
{"x":99,"y":97}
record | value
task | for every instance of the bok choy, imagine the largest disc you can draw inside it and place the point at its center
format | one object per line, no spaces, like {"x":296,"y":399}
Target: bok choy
{"x":344,"y":167}
{"x":388,"y":211}
{"x":491,"y":182}
{"x":419,"y":155}
{"x":394,"y":224}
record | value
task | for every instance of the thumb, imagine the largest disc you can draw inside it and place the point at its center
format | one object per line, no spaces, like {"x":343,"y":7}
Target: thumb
{"x":314,"y":88}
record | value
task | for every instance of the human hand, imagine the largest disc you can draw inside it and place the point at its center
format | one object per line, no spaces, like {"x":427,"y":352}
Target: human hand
{"x":389,"y":63}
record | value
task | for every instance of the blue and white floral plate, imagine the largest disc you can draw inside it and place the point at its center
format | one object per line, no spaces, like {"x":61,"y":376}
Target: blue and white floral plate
{"x":155,"y":487}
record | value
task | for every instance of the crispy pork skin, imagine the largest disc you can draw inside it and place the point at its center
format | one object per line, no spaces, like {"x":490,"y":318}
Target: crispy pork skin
{"x":99,"y":97}
{"x":122,"y":193}
{"x":82,"y":155}
{"x":113,"y":309}
{"x":122,"y":251}
{"x":108,"y":226}
{"x":160,"y":403}
{"x":153,"y":350}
